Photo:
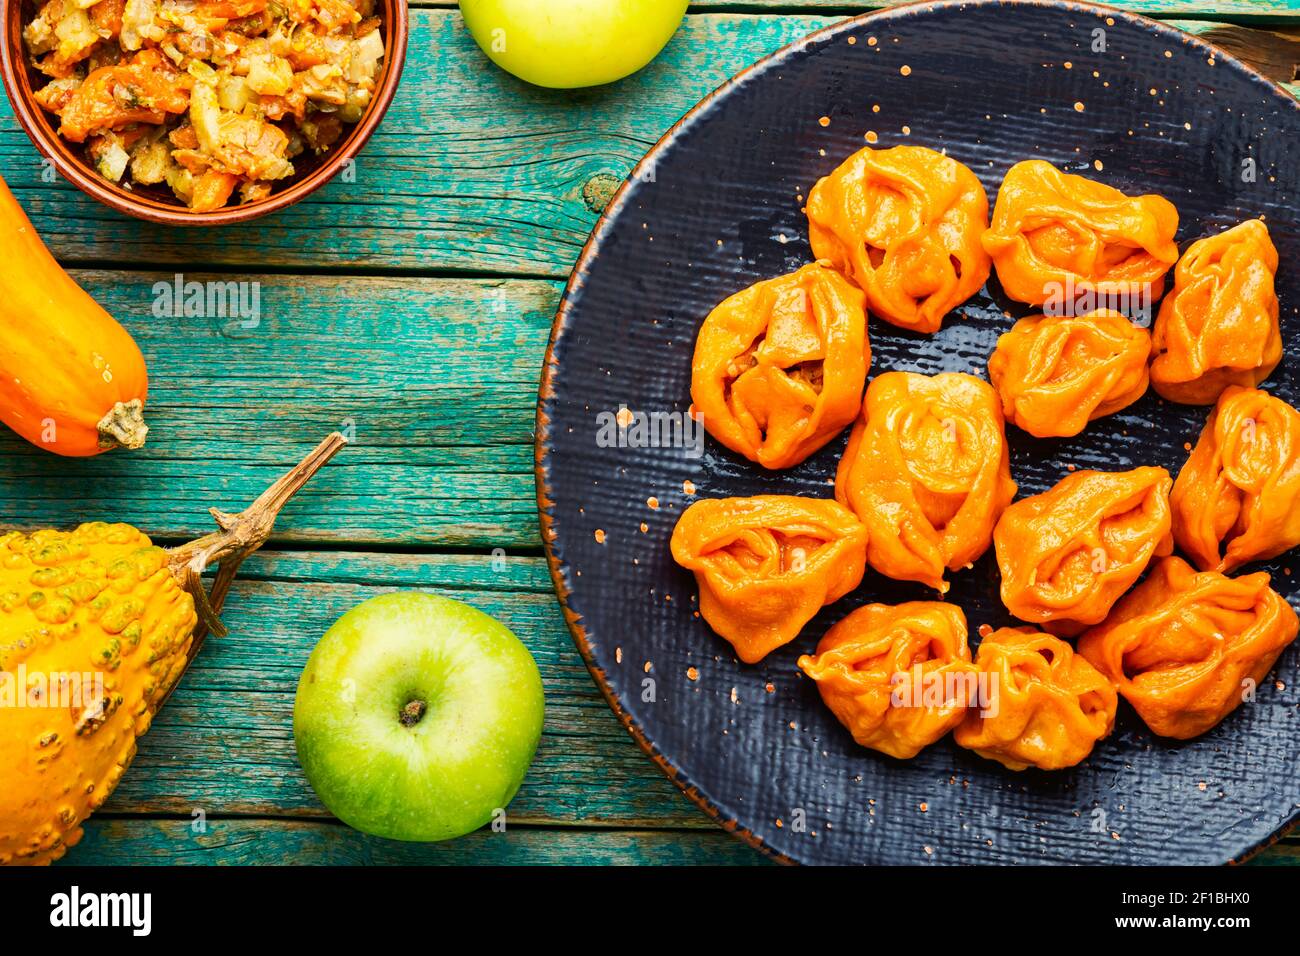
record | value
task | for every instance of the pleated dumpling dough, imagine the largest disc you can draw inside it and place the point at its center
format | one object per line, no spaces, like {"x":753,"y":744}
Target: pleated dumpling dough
{"x":1054,"y":234}
{"x":928,"y":472}
{"x":1057,"y":373}
{"x":1068,"y":554}
{"x":1219,"y":325}
{"x":779,"y":368}
{"x":1181,"y":646}
{"x":766,"y":565}
{"x":1048,"y":706}
{"x":898,"y":677}
{"x":905,"y":225}
{"x":1237,"y":498}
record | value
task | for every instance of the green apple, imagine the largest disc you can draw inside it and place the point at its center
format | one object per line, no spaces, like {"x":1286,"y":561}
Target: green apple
{"x":417,"y":717}
{"x":572,"y":43}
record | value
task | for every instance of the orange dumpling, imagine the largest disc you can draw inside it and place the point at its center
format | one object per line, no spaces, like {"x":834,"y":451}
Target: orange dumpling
{"x":904,"y":224}
{"x":766,"y":565}
{"x":1057,"y":373}
{"x":779,"y":368}
{"x":1182,"y":645}
{"x":1237,"y":498}
{"x":898,"y":678}
{"x":1054,"y":235}
{"x":1068,"y":554}
{"x":1219,"y":325}
{"x":928,"y":472}
{"x":1047,"y":707}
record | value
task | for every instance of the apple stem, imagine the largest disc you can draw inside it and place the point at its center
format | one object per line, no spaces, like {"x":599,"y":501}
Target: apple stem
{"x":412,"y":713}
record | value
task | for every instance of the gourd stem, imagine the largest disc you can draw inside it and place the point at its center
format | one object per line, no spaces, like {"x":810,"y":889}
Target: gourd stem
{"x":240,"y":535}
{"x":123,"y":426}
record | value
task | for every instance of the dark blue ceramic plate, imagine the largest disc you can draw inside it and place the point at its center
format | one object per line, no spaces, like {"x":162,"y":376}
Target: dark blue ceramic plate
{"x":714,"y":207}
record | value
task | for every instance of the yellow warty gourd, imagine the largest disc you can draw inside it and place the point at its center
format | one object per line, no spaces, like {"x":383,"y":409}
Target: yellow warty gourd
{"x":95,"y":631}
{"x":96,"y":627}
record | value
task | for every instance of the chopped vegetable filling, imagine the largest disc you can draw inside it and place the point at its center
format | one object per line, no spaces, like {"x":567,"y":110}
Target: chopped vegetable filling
{"x":209,"y":96}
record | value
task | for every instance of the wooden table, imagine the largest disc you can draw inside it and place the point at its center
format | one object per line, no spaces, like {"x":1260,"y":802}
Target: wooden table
{"x":411,"y":306}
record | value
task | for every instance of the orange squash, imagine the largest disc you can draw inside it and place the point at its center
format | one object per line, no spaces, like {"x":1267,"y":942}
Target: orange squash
{"x":1057,"y":373}
{"x":1182,"y":645}
{"x":766,"y":565}
{"x":1047,"y":706}
{"x":928,"y":472}
{"x":1237,"y":498}
{"x":1068,"y":554}
{"x":899,"y":677}
{"x":1219,"y":326}
{"x":778,"y":369}
{"x":72,"y":380}
{"x":1054,"y":234}
{"x":905,"y":225}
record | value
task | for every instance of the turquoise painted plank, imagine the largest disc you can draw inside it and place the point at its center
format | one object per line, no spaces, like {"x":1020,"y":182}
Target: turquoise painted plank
{"x":111,"y":842}
{"x":242,"y":842}
{"x":472,"y":171}
{"x":1273,"y":52}
{"x":1286,"y":853}
{"x":435,"y":378}
{"x":224,"y":742}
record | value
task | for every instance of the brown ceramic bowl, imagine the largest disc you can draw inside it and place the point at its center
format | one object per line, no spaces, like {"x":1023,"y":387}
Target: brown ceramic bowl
{"x":157,"y":203}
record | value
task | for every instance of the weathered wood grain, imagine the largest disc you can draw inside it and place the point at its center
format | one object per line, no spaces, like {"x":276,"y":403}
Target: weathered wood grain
{"x":472,"y":171}
{"x":314,"y":843}
{"x":1275,"y":53}
{"x":224,"y":742}
{"x":1286,"y":853}
{"x":435,"y":379}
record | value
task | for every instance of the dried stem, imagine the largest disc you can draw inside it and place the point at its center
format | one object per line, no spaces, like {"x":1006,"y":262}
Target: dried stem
{"x":240,"y":535}
{"x":123,"y":426}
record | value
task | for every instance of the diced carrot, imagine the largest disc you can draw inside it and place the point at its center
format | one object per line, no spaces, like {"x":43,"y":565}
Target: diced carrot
{"x":229,"y":9}
{"x":107,"y":15}
{"x":335,"y":13}
{"x":54,"y":67}
{"x":300,"y":11}
{"x":293,"y":103}
{"x":141,"y":91}
{"x":212,"y":190}
{"x":184,"y":137}
{"x":131,"y":135}
{"x":254,"y":191}
{"x":307,"y":50}
{"x":213,"y":15}
{"x":193,"y":160}
{"x":253,"y":149}
{"x":54,"y":96}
